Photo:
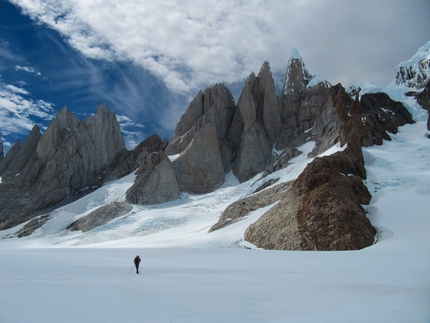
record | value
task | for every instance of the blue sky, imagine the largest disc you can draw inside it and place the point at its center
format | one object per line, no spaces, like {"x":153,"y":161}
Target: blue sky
{"x":147,"y":59}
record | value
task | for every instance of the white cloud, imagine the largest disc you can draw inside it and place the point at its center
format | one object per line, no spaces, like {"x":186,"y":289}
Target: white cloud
{"x":17,"y":112}
{"x":190,"y":44}
{"x":27,"y":69}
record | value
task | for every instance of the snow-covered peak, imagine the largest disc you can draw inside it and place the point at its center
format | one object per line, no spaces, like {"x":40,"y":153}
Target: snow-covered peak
{"x":297,"y":75}
{"x":294,"y":54}
{"x":415,"y":73}
{"x":317,"y":79}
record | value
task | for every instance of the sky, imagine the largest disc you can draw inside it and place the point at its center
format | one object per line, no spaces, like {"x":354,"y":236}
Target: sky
{"x":148,"y":59}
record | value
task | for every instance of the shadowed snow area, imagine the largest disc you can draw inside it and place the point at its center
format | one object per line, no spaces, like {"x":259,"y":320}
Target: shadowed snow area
{"x":190,"y":275}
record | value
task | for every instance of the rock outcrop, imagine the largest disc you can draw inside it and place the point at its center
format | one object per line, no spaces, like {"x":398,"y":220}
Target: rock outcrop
{"x":100,"y":216}
{"x":381,"y":115}
{"x":321,"y":211}
{"x":128,"y":161}
{"x":423,"y":99}
{"x":241,"y":208}
{"x":155,"y":182}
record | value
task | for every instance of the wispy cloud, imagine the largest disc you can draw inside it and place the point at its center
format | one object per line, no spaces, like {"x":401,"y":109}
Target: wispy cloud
{"x":18,"y":112}
{"x":190,"y":44}
{"x":27,"y":69}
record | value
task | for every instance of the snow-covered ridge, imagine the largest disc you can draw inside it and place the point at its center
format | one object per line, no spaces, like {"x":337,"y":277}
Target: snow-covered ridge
{"x":415,"y":72}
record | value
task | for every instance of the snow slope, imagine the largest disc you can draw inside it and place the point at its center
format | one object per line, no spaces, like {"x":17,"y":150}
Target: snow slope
{"x":189,"y":275}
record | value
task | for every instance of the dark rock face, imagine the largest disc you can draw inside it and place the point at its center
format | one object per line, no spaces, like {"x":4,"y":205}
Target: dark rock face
{"x":32,"y":226}
{"x":100,"y":216}
{"x":63,"y":162}
{"x":1,"y":150}
{"x":382,"y":115}
{"x":424,"y":100}
{"x":414,"y":76}
{"x":155,"y":182}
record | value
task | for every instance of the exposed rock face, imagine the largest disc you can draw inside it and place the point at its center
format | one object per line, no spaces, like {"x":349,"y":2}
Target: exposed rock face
{"x":297,"y":75}
{"x":259,"y":114}
{"x":321,"y":211}
{"x":7,"y":160}
{"x":50,"y":168}
{"x":308,"y":106}
{"x":101,"y":216}
{"x":200,"y":169}
{"x":155,"y":182}
{"x":241,"y":208}
{"x":1,"y":150}
{"x":21,"y":156}
{"x":381,"y":114}
{"x":32,"y":226}
{"x":415,"y":73}
{"x":215,"y":105}
{"x":424,"y":100}
{"x":201,"y":139}
{"x":127,"y":161}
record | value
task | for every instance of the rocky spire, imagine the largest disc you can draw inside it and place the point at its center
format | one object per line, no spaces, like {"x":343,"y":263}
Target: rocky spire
{"x":259,"y":111}
{"x":7,"y":160}
{"x":23,"y":155}
{"x":297,"y":75}
{"x":201,"y":139}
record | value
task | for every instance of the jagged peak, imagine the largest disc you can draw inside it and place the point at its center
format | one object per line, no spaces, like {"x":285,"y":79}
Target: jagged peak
{"x":297,"y":75}
{"x":101,"y":110}
{"x":294,"y":54}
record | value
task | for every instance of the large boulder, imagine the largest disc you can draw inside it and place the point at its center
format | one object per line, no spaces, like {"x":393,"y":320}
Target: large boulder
{"x":321,"y":211}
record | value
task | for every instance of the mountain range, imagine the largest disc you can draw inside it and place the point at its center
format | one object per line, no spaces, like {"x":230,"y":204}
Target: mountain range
{"x":215,"y":139}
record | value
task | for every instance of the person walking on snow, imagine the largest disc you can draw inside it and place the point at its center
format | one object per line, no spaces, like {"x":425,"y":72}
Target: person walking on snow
{"x":136,"y":263}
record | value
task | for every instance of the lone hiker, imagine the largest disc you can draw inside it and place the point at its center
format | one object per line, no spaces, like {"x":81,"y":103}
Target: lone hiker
{"x":136,"y":263}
